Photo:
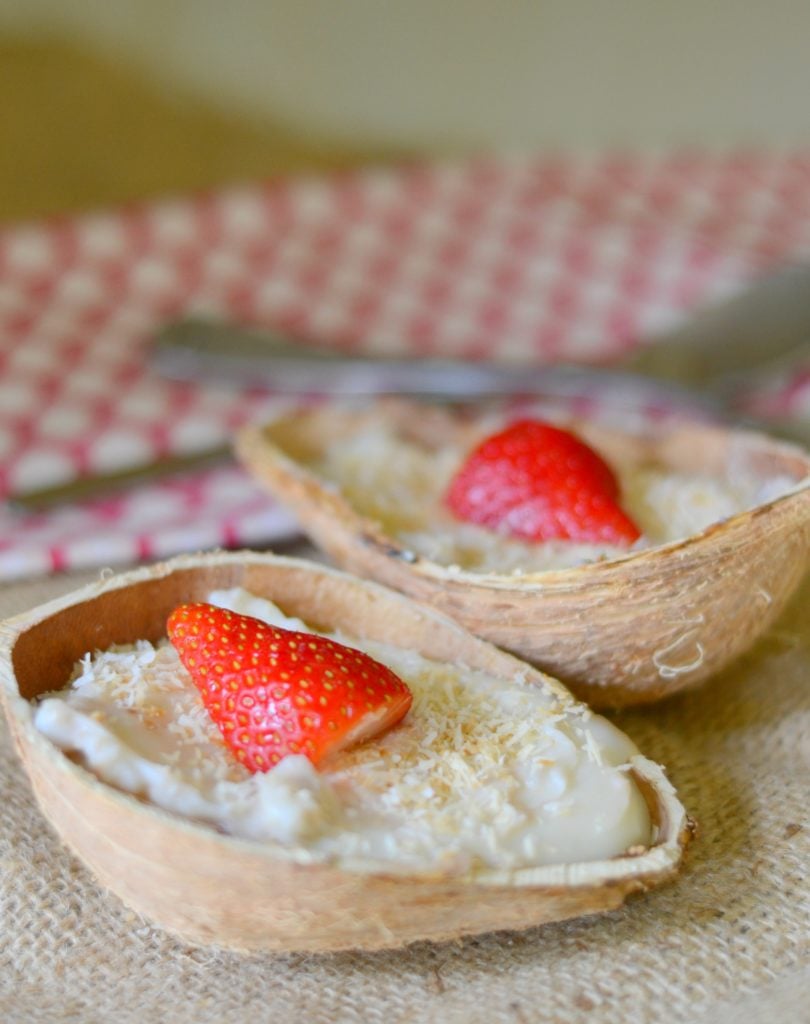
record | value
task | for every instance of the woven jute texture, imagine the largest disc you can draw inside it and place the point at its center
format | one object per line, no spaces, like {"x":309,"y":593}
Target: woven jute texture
{"x":728,"y":942}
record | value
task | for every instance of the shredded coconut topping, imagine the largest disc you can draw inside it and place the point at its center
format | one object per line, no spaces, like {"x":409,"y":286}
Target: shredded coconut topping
{"x":401,"y":485}
{"x":482,"y":771}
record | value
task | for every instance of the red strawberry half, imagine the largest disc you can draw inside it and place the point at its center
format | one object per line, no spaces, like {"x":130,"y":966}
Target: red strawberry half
{"x":274,"y":692}
{"x":538,"y":482}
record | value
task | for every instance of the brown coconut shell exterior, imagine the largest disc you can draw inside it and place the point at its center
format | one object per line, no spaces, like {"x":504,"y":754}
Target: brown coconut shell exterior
{"x":211,"y":888}
{"x":625,"y":631}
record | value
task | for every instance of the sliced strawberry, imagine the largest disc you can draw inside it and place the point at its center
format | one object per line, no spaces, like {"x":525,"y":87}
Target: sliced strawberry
{"x":538,"y":482}
{"x":274,"y":692}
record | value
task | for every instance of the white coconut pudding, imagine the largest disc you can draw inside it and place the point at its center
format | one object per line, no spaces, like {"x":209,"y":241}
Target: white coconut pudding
{"x":481,"y":773}
{"x":400,"y":484}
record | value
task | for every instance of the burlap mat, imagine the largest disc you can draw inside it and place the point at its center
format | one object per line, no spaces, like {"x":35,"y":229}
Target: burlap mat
{"x":727,"y":943}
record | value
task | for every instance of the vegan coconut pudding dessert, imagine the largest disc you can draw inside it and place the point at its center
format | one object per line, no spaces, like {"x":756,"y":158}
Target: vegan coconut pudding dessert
{"x":525,"y":498}
{"x":365,"y":775}
{"x":350,"y":751}
{"x":629,"y":565}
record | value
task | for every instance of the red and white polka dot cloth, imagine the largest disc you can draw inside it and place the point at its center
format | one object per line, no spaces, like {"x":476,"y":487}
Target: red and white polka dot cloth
{"x":517,"y":258}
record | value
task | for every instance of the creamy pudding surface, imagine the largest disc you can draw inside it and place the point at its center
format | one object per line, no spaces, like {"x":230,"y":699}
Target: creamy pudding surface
{"x":483,"y":772}
{"x":401,"y":485}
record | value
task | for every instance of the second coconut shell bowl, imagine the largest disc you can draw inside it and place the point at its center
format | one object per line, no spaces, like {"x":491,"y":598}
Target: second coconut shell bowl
{"x":624,"y":631}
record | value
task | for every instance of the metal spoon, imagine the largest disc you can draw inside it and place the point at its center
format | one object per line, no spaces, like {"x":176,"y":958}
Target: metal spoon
{"x":700,"y":366}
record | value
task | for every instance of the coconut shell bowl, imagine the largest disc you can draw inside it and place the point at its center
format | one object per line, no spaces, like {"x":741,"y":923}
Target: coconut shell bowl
{"x":212,"y":888}
{"x":624,"y":630}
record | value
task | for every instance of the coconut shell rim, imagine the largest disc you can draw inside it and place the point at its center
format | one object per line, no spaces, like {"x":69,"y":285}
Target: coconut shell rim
{"x":660,"y":861}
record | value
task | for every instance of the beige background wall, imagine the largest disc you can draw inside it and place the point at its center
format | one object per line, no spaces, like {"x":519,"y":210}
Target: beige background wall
{"x":462,"y":73}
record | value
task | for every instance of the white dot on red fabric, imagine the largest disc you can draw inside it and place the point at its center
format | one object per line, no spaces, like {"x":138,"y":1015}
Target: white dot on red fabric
{"x":32,"y":359}
{"x":190,"y":536}
{"x":24,"y":561}
{"x":80,"y":286}
{"x":173,"y":224}
{"x":7,"y":443}
{"x":62,"y":422}
{"x":330,"y":320}
{"x":156,"y":505}
{"x":236,"y":486}
{"x":106,"y":546}
{"x":264,"y":522}
{"x":195,"y":433}
{"x":276,"y":292}
{"x":28,"y":249}
{"x":17,"y":396}
{"x":131,"y":322}
{"x":102,"y":236}
{"x":153,"y":277}
{"x":244,"y":213}
{"x":118,"y":449}
{"x":313,"y":201}
{"x":39,"y":467}
{"x":146,"y":402}
{"x":90,"y":386}
{"x":224,"y":265}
